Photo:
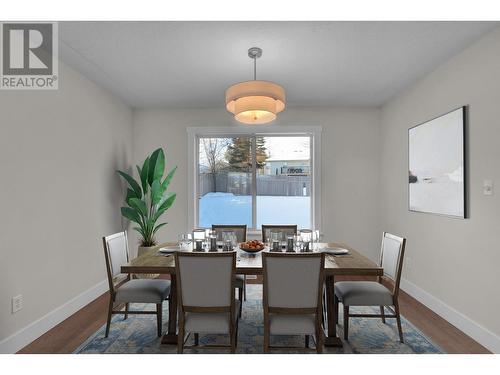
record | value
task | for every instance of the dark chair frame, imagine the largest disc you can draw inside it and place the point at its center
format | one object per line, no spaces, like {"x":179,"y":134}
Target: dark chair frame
{"x":113,"y":289}
{"x":382,"y":280}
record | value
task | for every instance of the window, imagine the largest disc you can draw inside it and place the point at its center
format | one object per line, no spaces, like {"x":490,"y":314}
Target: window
{"x":253,"y":178}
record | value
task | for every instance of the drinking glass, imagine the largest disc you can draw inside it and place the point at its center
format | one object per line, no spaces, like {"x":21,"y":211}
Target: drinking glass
{"x":199,"y":236}
{"x":306,"y":236}
{"x":317,"y":236}
{"x":275,"y":241}
{"x":184,"y":241}
{"x":234,"y":239}
{"x":298,"y":242}
{"x":229,"y":240}
{"x":290,"y":241}
{"x":212,"y":240}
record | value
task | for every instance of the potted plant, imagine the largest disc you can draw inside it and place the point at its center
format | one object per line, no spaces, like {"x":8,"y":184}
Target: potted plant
{"x":148,"y":199}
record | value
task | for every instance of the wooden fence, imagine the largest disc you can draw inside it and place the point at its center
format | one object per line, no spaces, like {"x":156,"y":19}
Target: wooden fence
{"x":241,"y":184}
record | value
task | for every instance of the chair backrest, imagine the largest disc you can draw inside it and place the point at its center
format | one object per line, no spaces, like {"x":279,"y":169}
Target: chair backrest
{"x":205,"y":280}
{"x":285,"y":229}
{"x":293,"y":281}
{"x":239,"y":230}
{"x":391,"y":257}
{"x":116,"y":255}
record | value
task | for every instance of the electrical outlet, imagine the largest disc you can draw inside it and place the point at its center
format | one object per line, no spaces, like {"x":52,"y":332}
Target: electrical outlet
{"x":488,"y":187}
{"x":17,"y":303}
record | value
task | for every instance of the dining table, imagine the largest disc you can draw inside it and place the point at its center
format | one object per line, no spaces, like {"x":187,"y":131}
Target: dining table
{"x":353,"y":263}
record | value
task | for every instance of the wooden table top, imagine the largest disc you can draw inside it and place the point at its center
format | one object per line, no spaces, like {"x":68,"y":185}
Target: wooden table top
{"x":353,"y":263}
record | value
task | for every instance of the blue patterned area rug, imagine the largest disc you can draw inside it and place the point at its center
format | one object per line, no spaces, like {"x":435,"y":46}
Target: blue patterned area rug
{"x":137,"y":334}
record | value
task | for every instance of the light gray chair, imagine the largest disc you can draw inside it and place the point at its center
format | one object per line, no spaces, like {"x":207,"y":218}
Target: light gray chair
{"x":206,"y":301}
{"x":123,"y":290}
{"x":372,"y":293}
{"x":241,"y":236}
{"x":293,"y":290}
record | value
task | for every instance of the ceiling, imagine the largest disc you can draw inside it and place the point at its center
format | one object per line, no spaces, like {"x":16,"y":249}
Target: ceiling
{"x":190,"y":64}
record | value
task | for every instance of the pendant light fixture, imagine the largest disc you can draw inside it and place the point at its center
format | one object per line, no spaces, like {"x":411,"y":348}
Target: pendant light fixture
{"x":255,"y":102}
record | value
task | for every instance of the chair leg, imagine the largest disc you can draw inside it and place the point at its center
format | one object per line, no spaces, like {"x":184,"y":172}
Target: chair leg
{"x":336,"y":307}
{"x":108,"y":322}
{"x":159,"y":317}
{"x":196,"y":339}
{"x":232,"y":339}
{"x":180,"y":339}
{"x":236,"y":336}
{"x":306,"y":341}
{"x":126,"y":311}
{"x":319,"y":339}
{"x":266,"y":339}
{"x":346,"y":322}
{"x":382,"y":312}
{"x":244,"y":288}
{"x":398,"y":320}
{"x":240,"y":298}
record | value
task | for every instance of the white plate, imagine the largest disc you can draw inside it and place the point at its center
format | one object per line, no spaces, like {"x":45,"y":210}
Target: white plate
{"x":335,"y":251}
{"x":168,"y":250}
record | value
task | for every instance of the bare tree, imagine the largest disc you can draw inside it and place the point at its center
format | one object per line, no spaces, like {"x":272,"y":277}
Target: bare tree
{"x":215,"y":150}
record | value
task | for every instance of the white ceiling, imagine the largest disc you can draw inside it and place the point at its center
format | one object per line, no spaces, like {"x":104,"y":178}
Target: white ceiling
{"x":190,"y":64}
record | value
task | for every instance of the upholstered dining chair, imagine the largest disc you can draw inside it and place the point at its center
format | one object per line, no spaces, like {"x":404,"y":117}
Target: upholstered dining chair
{"x":293,"y":290}
{"x":123,"y":290}
{"x":286,"y":229}
{"x":241,"y":235}
{"x":373,"y":293}
{"x":206,"y":301}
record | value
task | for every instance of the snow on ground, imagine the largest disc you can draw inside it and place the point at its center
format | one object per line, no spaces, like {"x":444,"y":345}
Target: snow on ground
{"x":227,"y":208}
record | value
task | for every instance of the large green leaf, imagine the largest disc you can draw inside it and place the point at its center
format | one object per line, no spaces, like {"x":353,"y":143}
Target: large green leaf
{"x":156,"y":192}
{"x":167,"y":180}
{"x":156,"y":166}
{"x":131,"y":214}
{"x":141,"y":232}
{"x":165,"y":205}
{"x":158,"y":227}
{"x":144,"y":175}
{"x":133,"y":184}
{"x":139,"y":205}
{"x":139,"y":174}
{"x":130,"y":194}
{"x":150,"y":223}
{"x":160,"y":166}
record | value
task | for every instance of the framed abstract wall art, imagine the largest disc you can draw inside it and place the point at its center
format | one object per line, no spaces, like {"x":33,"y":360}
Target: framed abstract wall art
{"x":437,"y":165}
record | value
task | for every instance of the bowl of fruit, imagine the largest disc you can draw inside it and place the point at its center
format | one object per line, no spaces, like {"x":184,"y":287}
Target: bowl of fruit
{"x":253,"y":246}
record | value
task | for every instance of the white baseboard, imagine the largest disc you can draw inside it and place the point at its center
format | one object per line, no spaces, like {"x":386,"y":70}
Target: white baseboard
{"x":479,"y":333}
{"x":31,"y":332}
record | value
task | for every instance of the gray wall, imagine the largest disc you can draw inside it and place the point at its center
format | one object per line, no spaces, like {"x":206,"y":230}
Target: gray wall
{"x":58,"y":192}
{"x":350,"y":164}
{"x":455,"y":261}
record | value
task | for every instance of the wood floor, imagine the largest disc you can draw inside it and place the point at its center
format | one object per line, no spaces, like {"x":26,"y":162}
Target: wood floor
{"x":69,"y":334}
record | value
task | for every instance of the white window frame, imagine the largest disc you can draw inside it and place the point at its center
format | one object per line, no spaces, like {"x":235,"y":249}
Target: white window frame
{"x":194,"y":133}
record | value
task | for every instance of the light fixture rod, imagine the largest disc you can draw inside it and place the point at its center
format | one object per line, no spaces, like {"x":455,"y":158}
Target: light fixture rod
{"x":254,"y":69}
{"x":254,"y":53}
